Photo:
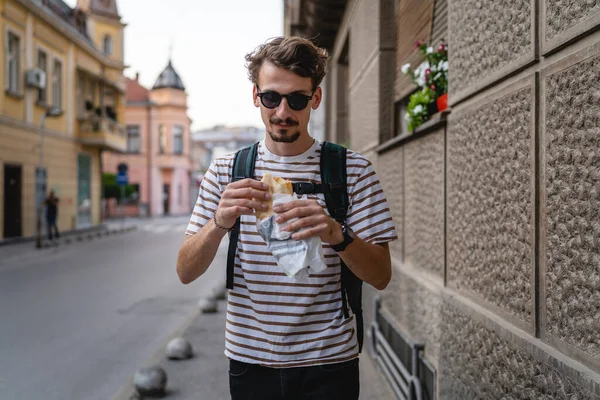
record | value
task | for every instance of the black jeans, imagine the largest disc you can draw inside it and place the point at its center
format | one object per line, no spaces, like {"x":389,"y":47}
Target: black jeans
{"x":51,"y":224}
{"x":326,"y":382}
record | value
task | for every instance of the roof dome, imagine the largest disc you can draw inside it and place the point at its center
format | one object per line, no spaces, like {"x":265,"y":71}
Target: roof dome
{"x":169,"y":79}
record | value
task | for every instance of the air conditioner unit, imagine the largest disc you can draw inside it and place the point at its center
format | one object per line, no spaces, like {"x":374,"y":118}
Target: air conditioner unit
{"x":36,"y":78}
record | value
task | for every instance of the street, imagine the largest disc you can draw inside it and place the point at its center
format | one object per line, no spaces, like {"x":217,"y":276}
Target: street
{"x":78,"y":322}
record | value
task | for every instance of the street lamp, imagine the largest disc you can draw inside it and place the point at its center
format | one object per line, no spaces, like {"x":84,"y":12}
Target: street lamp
{"x":41,"y":175}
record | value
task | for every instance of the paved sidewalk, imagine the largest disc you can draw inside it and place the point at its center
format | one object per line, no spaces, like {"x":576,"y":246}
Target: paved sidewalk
{"x":205,"y":376}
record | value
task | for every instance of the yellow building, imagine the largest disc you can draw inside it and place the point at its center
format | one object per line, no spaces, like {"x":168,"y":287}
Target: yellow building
{"x":79,"y":54}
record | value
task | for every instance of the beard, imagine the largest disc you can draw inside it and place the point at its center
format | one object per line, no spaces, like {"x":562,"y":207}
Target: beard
{"x":284,"y":135}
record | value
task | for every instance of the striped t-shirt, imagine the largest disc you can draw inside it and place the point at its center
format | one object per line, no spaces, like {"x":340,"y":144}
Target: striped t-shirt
{"x":275,"y":320}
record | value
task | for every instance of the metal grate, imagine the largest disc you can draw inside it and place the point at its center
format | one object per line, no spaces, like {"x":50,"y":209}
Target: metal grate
{"x":402,"y":361}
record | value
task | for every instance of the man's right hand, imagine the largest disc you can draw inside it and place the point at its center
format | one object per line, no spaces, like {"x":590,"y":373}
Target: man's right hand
{"x":241,"y":198}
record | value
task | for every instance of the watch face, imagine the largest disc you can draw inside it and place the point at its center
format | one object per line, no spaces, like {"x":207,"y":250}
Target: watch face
{"x":347,"y":231}
{"x":350,"y":232}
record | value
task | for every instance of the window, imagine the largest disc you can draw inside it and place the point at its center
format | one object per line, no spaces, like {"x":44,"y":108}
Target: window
{"x":57,"y":85}
{"x":162,"y":139}
{"x":400,"y":112}
{"x":42,"y":63}
{"x":178,"y":139}
{"x":13,"y":65}
{"x":80,"y":101}
{"x":133,"y":138}
{"x":90,"y":94}
{"x":108,"y":45}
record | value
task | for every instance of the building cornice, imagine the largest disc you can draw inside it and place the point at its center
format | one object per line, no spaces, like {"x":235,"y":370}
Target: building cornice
{"x":70,"y":32}
{"x":34,"y":129}
{"x":106,"y":19}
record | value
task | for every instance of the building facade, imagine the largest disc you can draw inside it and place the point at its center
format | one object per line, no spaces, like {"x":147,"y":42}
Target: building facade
{"x":158,"y":147}
{"x":497,"y":272}
{"x":209,"y":144}
{"x":69,"y":61}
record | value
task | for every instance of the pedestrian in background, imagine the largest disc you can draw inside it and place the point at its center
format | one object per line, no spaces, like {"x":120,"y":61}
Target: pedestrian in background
{"x":52,"y":214}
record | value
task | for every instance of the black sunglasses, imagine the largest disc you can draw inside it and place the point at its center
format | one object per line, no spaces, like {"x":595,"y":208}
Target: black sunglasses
{"x":271,"y":99}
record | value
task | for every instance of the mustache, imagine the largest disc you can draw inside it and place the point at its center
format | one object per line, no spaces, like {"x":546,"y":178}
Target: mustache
{"x":287,"y":121}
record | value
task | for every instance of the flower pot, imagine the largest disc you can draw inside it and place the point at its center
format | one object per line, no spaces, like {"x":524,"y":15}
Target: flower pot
{"x":442,"y":102}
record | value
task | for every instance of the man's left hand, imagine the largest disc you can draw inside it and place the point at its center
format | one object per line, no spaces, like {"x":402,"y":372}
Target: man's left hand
{"x":312,"y":219}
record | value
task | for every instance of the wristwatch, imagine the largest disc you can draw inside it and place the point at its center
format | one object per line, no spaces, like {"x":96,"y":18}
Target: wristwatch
{"x":348,"y":238}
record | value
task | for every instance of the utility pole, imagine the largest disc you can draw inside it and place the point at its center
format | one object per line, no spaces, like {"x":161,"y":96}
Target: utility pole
{"x":41,"y":176}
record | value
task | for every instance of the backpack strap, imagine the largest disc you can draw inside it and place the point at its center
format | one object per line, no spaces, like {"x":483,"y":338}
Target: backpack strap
{"x":333,"y":177}
{"x":243,"y":167}
{"x":313,"y":188}
{"x":334,"y":180}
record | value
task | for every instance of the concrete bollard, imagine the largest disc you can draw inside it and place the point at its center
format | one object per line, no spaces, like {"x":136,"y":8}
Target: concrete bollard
{"x":208,"y":305}
{"x":220,"y":293}
{"x":151,"y":382}
{"x":179,"y":349}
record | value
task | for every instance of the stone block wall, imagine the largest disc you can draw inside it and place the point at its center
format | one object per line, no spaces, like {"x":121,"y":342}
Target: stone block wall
{"x":424,"y":203}
{"x":490,"y":200}
{"x":483,"y":361}
{"x":488,"y":40}
{"x":570,"y":234}
{"x":498,"y":269}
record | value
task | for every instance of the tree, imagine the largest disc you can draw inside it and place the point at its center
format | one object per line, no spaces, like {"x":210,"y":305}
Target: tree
{"x":112,"y":190}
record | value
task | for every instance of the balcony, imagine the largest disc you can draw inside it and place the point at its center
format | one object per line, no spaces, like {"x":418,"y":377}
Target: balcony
{"x":103,"y":132}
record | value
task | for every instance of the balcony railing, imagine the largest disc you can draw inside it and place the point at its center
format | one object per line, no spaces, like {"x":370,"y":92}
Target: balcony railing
{"x":102,"y":131}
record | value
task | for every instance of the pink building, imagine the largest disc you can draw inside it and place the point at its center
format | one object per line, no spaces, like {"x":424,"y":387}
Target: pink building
{"x":158,"y":146}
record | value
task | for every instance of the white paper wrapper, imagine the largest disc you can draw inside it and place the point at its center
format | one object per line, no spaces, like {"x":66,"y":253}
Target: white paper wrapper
{"x":295,"y":257}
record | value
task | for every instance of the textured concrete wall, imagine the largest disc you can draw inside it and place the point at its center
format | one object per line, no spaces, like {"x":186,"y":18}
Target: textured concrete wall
{"x":564,"y":15}
{"x":490,"y":210}
{"x":572,"y":197}
{"x":478,"y":363}
{"x":563,"y":21}
{"x":487,"y":39}
{"x":417,"y":311}
{"x":424,"y":192}
{"x":391,"y":174}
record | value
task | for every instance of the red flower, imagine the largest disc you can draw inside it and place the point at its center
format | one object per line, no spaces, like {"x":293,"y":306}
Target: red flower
{"x":432,"y":87}
{"x":427,"y":72}
{"x":417,"y":44}
{"x":442,"y":47}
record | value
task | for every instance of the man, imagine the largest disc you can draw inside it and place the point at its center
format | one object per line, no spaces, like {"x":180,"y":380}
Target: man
{"x":287,"y":339}
{"x":52,"y":214}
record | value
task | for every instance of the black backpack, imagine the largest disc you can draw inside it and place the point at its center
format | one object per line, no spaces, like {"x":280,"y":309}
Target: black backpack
{"x":333,"y":186}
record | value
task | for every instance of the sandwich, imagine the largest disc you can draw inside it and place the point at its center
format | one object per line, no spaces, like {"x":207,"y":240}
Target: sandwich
{"x":276,"y":185}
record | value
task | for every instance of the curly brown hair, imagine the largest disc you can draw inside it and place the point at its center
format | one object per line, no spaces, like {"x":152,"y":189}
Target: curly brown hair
{"x":294,"y":53}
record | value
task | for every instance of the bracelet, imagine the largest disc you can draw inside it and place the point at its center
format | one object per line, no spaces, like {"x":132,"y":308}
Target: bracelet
{"x":221,"y":226}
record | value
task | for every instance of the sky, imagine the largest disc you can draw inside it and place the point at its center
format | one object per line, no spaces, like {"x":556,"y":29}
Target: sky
{"x":210,"y":39}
